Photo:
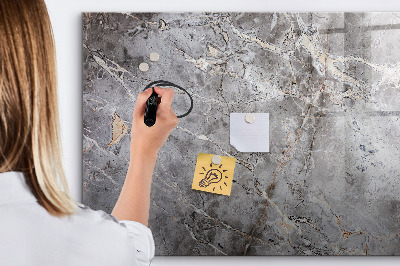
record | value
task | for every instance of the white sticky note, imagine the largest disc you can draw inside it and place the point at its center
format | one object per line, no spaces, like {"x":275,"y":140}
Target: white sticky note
{"x":249,"y":137}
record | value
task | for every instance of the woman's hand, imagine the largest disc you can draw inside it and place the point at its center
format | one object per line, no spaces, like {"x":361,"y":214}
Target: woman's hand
{"x":134,"y":201}
{"x":148,"y":140}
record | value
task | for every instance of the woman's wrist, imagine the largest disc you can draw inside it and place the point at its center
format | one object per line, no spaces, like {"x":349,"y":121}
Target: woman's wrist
{"x":143,"y":154}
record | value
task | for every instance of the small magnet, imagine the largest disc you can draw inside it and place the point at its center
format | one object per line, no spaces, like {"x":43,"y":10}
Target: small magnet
{"x":154,"y":57}
{"x":216,"y":159}
{"x":250,"y":118}
{"x":144,"y":67}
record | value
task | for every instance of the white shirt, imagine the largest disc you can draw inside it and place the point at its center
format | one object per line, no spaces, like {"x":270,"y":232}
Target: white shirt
{"x":29,"y":235}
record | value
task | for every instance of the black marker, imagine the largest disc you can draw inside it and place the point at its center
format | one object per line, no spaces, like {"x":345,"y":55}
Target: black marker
{"x":152,"y":101}
{"x":151,"y":109}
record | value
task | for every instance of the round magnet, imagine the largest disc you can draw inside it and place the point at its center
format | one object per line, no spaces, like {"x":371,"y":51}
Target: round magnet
{"x":250,"y":118}
{"x":144,"y":67}
{"x":154,"y":57}
{"x":216,"y":159}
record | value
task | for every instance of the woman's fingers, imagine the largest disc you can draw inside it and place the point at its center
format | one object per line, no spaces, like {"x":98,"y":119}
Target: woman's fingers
{"x":167,"y":95}
{"x":164,"y":109}
{"x":141,"y":103}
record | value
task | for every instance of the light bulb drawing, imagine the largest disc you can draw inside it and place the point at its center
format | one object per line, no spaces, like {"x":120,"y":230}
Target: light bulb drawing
{"x":213,"y":176}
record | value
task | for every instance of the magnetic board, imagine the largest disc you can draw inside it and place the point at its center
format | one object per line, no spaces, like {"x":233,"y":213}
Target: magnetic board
{"x":329,"y":184}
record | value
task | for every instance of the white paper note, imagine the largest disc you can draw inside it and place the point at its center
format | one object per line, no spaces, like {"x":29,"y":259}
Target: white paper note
{"x":249,"y":137}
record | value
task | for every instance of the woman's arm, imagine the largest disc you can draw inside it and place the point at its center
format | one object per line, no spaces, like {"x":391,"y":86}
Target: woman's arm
{"x":134,"y":201}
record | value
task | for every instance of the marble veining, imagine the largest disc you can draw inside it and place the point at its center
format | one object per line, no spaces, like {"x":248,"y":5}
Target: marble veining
{"x":330,"y":184}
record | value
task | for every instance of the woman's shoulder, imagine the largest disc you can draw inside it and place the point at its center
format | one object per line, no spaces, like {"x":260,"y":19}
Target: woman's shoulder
{"x":100,"y":216}
{"x":97,"y":225}
{"x":138,"y":236}
{"x":98,"y":222}
{"x":85,"y":212}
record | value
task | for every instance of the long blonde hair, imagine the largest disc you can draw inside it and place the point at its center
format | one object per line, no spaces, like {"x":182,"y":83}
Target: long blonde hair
{"x":29,"y":123}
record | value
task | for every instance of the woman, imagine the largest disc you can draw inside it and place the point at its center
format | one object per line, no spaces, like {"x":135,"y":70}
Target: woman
{"x":39,"y":222}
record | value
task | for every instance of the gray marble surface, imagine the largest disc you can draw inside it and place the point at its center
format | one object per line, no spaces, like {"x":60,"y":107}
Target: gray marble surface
{"x":330,"y":82}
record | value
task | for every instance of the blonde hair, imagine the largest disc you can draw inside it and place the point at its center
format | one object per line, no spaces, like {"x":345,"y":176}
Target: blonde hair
{"x":29,"y":124}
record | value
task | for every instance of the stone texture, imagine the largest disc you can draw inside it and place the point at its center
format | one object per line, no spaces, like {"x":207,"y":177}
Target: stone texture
{"x":330,"y":82}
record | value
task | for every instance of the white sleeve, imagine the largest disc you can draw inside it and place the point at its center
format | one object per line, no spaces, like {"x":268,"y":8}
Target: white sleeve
{"x":142,"y":239}
{"x":139,"y":236}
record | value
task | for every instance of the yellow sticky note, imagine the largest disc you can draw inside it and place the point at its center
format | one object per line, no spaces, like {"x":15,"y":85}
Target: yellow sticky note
{"x":214,"y":178}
